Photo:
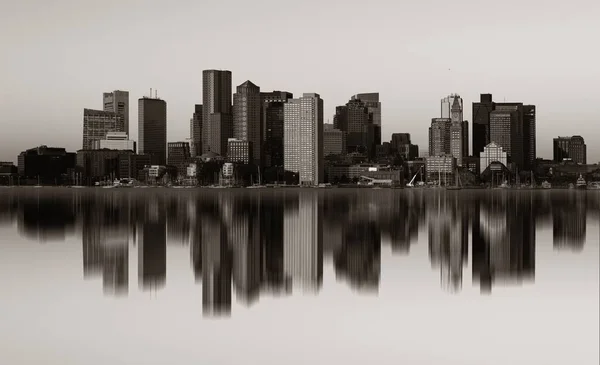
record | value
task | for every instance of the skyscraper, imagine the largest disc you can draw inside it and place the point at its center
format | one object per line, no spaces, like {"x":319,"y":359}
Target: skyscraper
{"x":303,"y":138}
{"x":529,"y":139}
{"x":179,"y":156}
{"x":481,"y":123}
{"x":353,"y":119}
{"x":439,"y":136}
{"x":247,"y":109}
{"x":216,"y":111}
{"x":152,"y":129}
{"x":373,"y":105}
{"x":504,"y":131}
{"x":118,"y":102}
{"x":272,"y":126}
{"x":196,"y":131}
{"x":97,"y":123}
{"x":456,"y":128}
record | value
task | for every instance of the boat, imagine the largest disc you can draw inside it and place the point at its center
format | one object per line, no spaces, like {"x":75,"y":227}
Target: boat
{"x":546,"y":185}
{"x":581,"y":184}
{"x":594,"y":185}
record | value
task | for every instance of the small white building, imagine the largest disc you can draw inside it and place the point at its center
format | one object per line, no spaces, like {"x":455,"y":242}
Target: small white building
{"x":492,"y":153}
{"x":114,"y":141}
{"x":191,"y":170}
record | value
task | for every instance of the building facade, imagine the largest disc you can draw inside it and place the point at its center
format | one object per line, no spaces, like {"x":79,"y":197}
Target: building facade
{"x":240,"y":151}
{"x":247,"y":120}
{"x":45,"y":163}
{"x":570,"y":148}
{"x":179,"y":156}
{"x":334,"y":141}
{"x":114,"y":141}
{"x":118,"y":102}
{"x":272,"y":126}
{"x":97,"y":123}
{"x":440,"y":169}
{"x":492,"y":153}
{"x":371,"y":101}
{"x":196,"y":131}
{"x":506,"y":132}
{"x":481,"y":123}
{"x":439,"y":136}
{"x":152,"y":129}
{"x":303,"y":138}
{"x":216,"y":111}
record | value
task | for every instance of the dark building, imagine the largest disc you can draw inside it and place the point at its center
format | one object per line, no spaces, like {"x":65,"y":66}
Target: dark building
{"x":573,"y":148}
{"x":217,"y":120}
{"x":45,"y":163}
{"x":152,"y":129}
{"x":239,"y":151}
{"x":373,"y":105}
{"x":506,"y":130}
{"x":403,"y":147}
{"x":353,"y":119}
{"x":97,"y":165}
{"x":247,"y":120}
{"x":130,"y":165}
{"x":272,"y":125}
{"x":196,"y":131}
{"x":529,"y":139}
{"x":179,"y":156}
{"x":481,"y":123}
{"x":439,"y":136}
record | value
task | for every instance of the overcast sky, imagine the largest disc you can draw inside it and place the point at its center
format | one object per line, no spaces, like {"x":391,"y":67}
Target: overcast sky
{"x":59,"y":56}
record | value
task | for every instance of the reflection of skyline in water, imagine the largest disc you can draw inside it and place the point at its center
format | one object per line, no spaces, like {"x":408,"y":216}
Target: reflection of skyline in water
{"x":273,"y":242}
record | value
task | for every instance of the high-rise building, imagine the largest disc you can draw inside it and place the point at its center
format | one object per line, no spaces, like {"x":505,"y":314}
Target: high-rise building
{"x":402,"y":146}
{"x":573,"y":148}
{"x":247,"y":108}
{"x":114,"y":141}
{"x":118,"y":102}
{"x":439,"y":136}
{"x":507,"y":132}
{"x":303,"y":138}
{"x":272,"y":126}
{"x":239,"y":151}
{"x":334,"y":141}
{"x":196,"y":131}
{"x":97,"y":123}
{"x":529,"y":139}
{"x":152,"y":129}
{"x":216,"y":111}
{"x":481,"y":123}
{"x":353,"y":119}
{"x":179,"y":156}
{"x":373,"y":105}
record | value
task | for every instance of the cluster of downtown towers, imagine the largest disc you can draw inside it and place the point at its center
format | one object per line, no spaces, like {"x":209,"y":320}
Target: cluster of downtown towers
{"x":269,"y":129}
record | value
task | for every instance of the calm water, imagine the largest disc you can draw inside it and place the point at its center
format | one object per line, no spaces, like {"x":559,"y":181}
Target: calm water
{"x":165,"y":276}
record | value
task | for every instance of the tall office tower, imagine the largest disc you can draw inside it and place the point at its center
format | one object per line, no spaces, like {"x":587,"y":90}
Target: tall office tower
{"x":97,"y":123}
{"x":118,"y":102}
{"x":529,"y":139}
{"x":196,"y":131}
{"x":452,"y":107}
{"x":573,"y":148}
{"x":373,"y":105}
{"x":401,"y":145}
{"x":216,"y":111}
{"x":439,"y":136}
{"x":505,"y":132}
{"x":152,"y":129}
{"x":456,"y":128}
{"x":272,"y":126}
{"x":303,"y":241}
{"x":303,"y":138}
{"x":481,"y":123}
{"x":247,"y":118}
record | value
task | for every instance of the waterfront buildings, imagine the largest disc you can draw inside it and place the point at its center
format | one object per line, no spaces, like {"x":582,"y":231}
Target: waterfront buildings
{"x":506,"y":132}
{"x":216,"y":111}
{"x":439,"y":136}
{"x":481,"y":123}
{"x":45,"y":163}
{"x":118,"y":102}
{"x":179,"y":156}
{"x":114,"y":141}
{"x":240,"y":151}
{"x":247,"y":126}
{"x":440,"y":169}
{"x":97,"y":123}
{"x":573,"y":148}
{"x":303,"y":138}
{"x":492,"y":153}
{"x":152,"y":129}
{"x":272,"y":125}
{"x":371,"y":101}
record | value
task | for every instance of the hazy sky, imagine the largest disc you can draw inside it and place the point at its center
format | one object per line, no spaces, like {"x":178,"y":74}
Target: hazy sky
{"x":59,"y":56}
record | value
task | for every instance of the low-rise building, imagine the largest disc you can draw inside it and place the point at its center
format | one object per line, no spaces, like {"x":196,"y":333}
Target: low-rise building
{"x":492,"y":153}
{"x":114,"y":141}
{"x":239,"y":151}
{"x":440,"y":170}
{"x":346,"y":173}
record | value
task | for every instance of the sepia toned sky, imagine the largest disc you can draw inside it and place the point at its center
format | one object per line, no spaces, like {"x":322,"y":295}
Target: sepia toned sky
{"x":59,"y":56}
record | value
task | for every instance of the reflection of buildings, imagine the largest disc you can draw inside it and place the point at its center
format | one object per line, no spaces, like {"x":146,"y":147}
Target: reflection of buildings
{"x":359,"y":259}
{"x":504,"y":241}
{"x":271,"y":240}
{"x":302,"y":241}
{"x":569,"y":222}
{"x":448,"y":240}
{"x":152,"y":246}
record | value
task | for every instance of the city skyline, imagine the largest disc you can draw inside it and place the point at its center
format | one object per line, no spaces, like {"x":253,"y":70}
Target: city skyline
{"x":563,"y":94}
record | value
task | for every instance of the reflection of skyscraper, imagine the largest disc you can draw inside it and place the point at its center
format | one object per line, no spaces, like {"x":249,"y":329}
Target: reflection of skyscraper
{"x":152,"y":246}
{"x":359,"y":258}
{"x":569,"y":222}
{"x":216,"y":268}
{"x":302,"y":240}
{"x":271,"y":229}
